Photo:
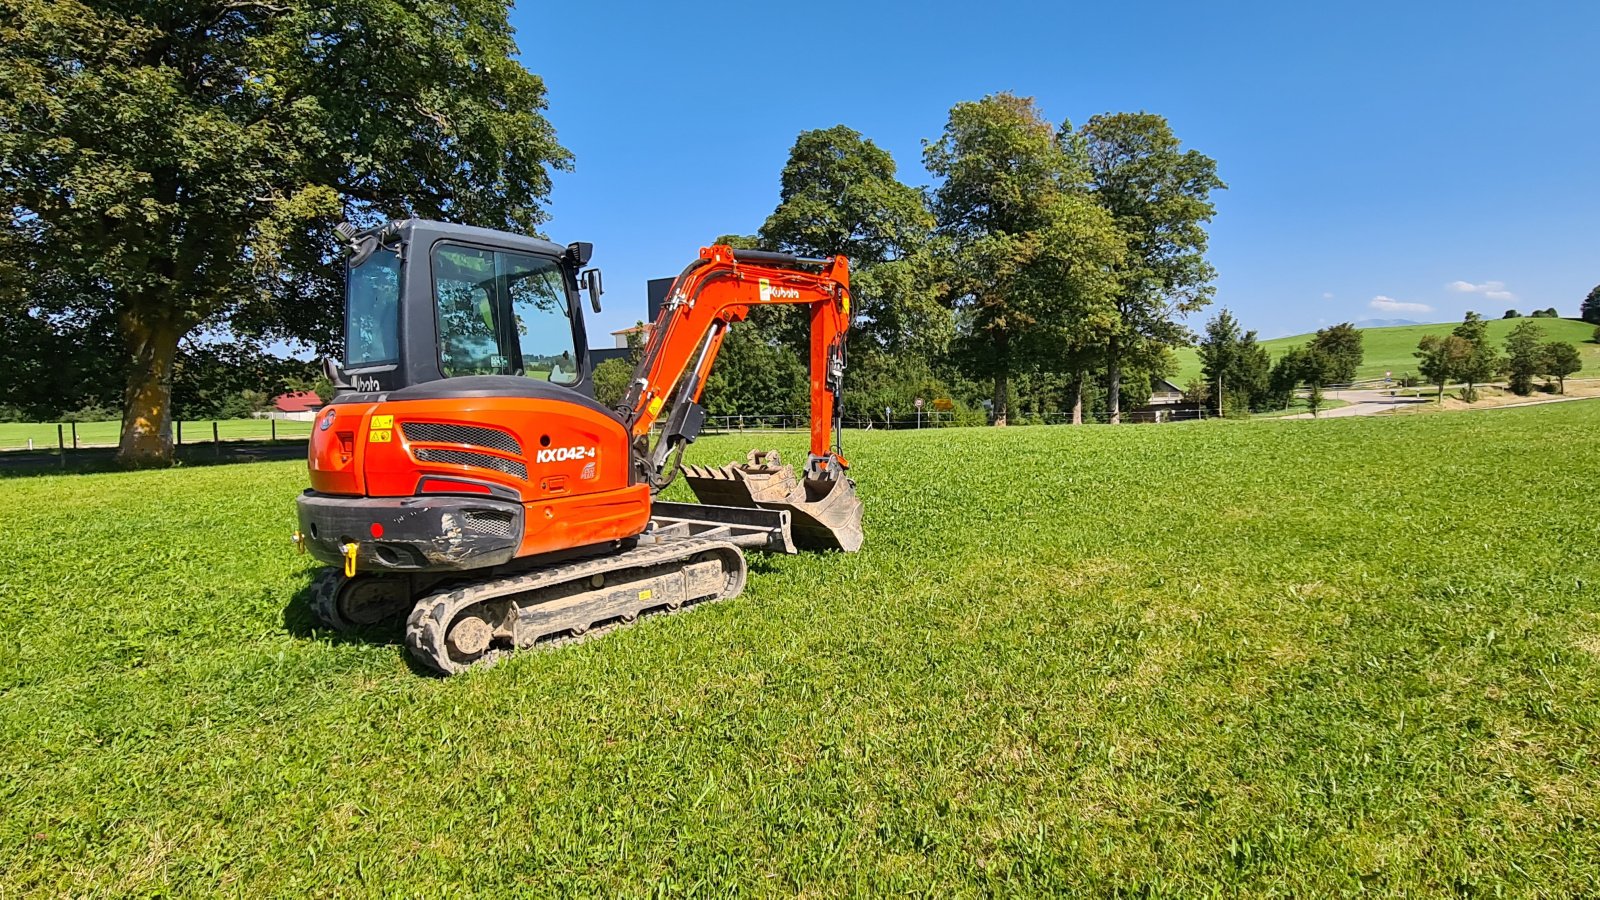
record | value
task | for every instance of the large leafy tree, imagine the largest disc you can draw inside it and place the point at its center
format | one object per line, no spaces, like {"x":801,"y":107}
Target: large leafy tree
{"x":1524,"y":356}
{"x":1340,"y":347}
{"x":1029,"y":254}
{"x":1442,"y":358}
{"x":839,"y":194}
{"x":1159,"y":196}
{"x":176,"y":166}
{"x":1235,"y":366}
{"x":1559,"y":359}
{"x":1483,"y":363}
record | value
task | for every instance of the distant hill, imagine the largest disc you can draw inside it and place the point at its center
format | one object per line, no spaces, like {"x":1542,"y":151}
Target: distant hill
{"x":1389,"y":348}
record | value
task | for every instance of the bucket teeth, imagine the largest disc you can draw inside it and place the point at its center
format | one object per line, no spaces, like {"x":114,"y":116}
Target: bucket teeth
{"x":826,"y":512}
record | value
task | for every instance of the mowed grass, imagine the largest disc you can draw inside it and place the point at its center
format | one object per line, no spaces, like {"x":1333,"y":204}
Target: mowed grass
{"x":1390,"y":349}
{"x":1241,"y":658}
{"x":15,"y":435}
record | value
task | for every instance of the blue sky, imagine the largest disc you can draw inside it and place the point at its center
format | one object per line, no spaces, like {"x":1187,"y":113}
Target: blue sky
{"x":1384,"y":160}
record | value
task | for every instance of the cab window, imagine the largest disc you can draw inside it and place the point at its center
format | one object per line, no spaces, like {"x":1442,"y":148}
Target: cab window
{"x":502,"y":313}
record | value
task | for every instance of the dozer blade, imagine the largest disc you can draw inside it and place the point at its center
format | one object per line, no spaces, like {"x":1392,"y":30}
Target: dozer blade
{"x":825,"y":513}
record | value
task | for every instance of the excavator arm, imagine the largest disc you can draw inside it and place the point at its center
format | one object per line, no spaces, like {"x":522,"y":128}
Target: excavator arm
{"x":712,"y":293}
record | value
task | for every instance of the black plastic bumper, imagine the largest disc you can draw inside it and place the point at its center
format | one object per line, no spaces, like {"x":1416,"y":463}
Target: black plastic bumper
{"x":411,"y":534}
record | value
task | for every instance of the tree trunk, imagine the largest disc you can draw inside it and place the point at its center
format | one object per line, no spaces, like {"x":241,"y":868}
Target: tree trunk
{"x":1077,"y":397}
{"x":1114,"y":389}
{"x":1002,"y":377}
{"x":147,"y":401}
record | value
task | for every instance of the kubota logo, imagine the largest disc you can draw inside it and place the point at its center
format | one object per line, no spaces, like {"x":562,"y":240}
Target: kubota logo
{"x":562,"y":454}
{"x":770,"y":293}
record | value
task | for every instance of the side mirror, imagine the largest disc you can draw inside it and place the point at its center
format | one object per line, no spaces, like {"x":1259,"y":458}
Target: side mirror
{"x":591,"y":283}
{"x":335,"y":373}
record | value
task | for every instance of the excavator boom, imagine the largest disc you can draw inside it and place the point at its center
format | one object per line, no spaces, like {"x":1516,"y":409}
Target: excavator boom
{"x":715,"y":291}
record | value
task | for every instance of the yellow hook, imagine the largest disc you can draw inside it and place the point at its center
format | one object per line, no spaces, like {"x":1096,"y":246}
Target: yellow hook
{"x":299,"y":541}
{"x":349,"y":560}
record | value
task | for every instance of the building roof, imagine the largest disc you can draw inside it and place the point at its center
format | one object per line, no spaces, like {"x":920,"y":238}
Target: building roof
{"x":297,"y":401}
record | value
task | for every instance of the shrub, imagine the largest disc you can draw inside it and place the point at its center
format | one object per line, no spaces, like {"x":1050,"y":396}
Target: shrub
{"x":92,"y":413}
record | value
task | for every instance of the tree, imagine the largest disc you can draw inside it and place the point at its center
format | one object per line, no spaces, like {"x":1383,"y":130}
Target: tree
{"x":1314,"y":400}
{"x":1560,"y":359}
{"x":755,"y":375}
{"x":1512,"y":314}
{"x":174,"y":167}
{"x":1440,"y":359}
{"x":1340,"y":347}
{"x":1285,"y":377}
{"x":1549,"y":313}
{"x":1159,"y":197}
{"x":1027,"y":255}
{"x":1524,"y":359}
{"x":1483,"y":363}
{"x":1590,"y":310}
{"x":1235,"y":365}
{"x":839,"y":194}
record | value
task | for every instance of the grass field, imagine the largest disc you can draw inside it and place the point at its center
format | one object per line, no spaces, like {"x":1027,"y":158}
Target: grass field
{"x":1237,"y":658}
{"x":15,"y":435}
{"x":1390,"y":349}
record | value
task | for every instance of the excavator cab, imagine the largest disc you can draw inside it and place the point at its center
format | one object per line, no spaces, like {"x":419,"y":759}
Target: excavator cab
{"x":428,"y":301}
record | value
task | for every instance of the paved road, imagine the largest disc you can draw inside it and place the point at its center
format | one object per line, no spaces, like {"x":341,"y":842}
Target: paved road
{"x":1362,"y":403}
{"x":1370,"y":403}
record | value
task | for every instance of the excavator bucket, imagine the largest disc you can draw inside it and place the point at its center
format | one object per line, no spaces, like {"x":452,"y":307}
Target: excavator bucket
{"x":825,"y":513}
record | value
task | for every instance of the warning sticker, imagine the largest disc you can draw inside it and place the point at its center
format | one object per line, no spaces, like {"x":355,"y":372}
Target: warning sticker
{"x":379,"y":437}
{"x":382,"y":422}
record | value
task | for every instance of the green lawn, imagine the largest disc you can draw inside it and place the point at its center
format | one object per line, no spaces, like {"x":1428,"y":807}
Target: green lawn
{"x":1223,"y":658}
{"x":1390,"y":349}
{"x":15,"y":435}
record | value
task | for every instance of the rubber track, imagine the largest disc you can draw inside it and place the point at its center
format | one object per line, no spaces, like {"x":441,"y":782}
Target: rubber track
{"x":324,"y":599}
{"x":432,"y":615}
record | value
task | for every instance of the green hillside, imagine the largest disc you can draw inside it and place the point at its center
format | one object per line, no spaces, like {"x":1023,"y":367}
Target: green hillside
{"x":1390,"y":349}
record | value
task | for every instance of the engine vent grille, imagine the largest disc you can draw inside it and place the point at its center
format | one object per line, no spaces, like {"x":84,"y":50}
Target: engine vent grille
{"x":469,"y":458}
{"x":490,"y":521}
{"x":474,"y":435}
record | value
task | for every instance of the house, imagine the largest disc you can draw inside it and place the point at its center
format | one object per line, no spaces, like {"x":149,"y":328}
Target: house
{"x":656,"y":291}
{"x":621,"y":337}
{"x":300,"y":406}
{"x":1164,"y":393}
{"x":1165,"y":404}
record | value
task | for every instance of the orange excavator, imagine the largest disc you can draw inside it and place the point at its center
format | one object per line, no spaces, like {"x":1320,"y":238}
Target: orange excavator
{"x":465,"y":475}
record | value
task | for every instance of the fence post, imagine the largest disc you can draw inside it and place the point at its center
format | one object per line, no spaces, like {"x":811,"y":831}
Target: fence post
{"x":61,"y":439}
{"x":74,"y":435}
{"x":274,"y":423}
{"x":216,"y":438}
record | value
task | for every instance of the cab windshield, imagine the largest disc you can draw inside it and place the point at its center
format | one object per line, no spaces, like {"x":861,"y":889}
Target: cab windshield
{"x":502,"y":313}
